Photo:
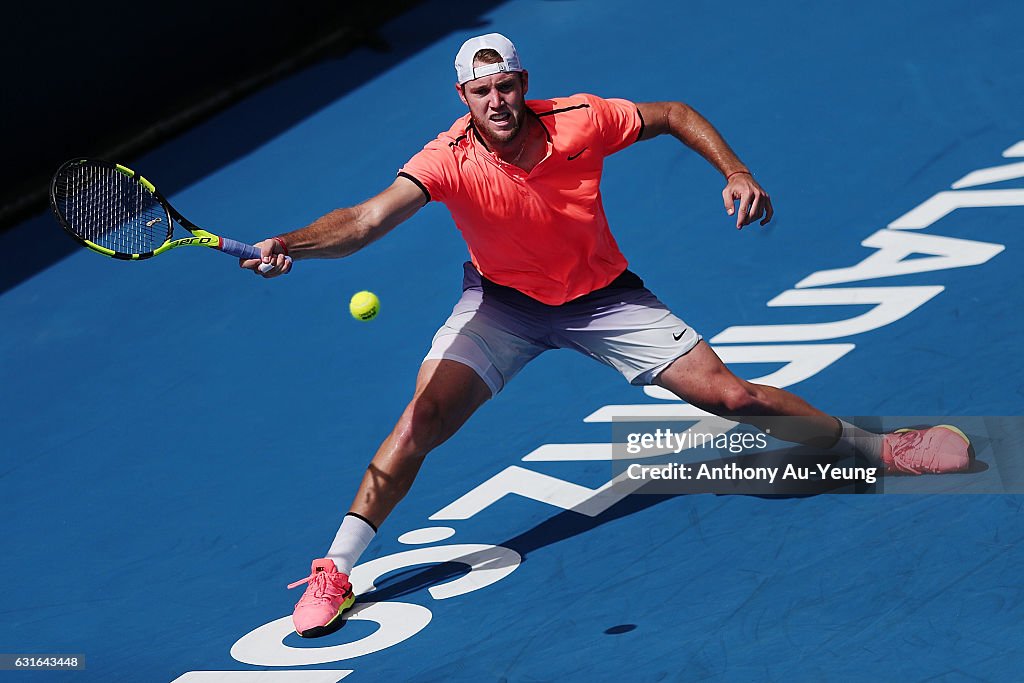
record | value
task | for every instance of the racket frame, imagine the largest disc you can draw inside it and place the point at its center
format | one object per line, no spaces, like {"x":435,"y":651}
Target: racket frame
{"x":199,"y":237}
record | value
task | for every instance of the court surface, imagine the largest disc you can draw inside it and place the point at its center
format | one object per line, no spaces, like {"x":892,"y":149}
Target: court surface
{"x":181,"y":438}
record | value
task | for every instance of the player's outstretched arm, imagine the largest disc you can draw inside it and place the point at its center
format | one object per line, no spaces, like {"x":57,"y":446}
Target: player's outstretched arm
{"x":696,"y":132}
{"x":342,"y":231}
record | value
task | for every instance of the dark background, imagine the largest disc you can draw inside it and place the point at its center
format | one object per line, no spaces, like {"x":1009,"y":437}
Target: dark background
{"x":113,"y":79}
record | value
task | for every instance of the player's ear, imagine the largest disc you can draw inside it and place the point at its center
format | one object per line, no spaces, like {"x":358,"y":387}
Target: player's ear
{"x":525,"y":77}
{"x":461,"y":89}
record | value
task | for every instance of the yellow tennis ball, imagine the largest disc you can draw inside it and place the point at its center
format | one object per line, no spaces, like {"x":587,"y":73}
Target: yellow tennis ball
{"x":364,"y":306}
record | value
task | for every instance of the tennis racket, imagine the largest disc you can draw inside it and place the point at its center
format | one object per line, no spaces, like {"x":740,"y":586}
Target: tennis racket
{"x":111,"y":209}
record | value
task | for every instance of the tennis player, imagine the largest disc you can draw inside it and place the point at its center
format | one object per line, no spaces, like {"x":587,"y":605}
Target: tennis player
{"x":522,"y":181}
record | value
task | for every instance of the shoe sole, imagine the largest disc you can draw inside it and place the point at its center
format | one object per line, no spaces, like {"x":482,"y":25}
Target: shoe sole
{"x":331,"y":626}
{"x":949,"y":427}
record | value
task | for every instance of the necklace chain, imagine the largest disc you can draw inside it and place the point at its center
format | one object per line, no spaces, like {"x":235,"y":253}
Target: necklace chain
{"x":521,"y":149}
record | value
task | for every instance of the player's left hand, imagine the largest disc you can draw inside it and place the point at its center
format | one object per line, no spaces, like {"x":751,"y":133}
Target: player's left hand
{"x":754,"y":201}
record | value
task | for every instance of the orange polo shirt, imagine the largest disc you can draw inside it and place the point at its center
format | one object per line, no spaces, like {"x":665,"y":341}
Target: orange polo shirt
{"x":543,"y":232}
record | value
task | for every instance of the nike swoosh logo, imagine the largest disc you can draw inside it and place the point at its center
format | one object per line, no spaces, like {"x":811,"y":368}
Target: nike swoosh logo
{"x":578,"y":153}
{"x":679,"y":336}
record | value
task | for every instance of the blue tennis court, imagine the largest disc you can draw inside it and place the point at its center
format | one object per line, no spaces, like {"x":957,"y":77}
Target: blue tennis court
{"x":182,"y":438}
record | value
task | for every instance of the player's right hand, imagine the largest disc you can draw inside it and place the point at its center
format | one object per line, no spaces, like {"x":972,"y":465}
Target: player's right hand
{"x":273,"y":261}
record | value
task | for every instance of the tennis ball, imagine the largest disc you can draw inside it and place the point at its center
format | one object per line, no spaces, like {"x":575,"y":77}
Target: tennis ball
{"x":364,"y":306}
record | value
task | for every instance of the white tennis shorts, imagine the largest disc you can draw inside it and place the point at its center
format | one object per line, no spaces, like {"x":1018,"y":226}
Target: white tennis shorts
{"x":497,"y":330}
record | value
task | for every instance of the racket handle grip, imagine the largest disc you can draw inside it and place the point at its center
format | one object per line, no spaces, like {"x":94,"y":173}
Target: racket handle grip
{"x":243,"y":250}
{"x":239,"y":249}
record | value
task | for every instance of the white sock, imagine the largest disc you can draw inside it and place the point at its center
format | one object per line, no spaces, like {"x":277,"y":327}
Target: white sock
{"x":353,"y":537}
{"x":857,"y":440}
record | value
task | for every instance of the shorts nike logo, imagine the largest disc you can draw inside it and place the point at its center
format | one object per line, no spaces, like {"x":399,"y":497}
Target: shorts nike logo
{"x":577,"y":154}
{"x":679,"y":336}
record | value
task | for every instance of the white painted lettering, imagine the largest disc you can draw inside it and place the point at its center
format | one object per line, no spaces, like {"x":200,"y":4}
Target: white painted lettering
{"x":943,"y":203}
{"x":894,"y":248}
{"x":539,"y":487}
{"x":890,"y":304}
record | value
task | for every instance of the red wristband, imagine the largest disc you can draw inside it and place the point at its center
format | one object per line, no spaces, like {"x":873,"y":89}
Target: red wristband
{"x":284,"y":247}
{"x":737,"y":173}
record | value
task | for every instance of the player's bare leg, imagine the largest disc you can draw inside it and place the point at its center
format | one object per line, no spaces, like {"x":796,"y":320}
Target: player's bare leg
{"x":447,"y":393}
{"x":701,"y":378}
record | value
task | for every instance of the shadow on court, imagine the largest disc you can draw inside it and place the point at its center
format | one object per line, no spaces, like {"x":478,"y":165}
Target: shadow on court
{"x":568,"y":524}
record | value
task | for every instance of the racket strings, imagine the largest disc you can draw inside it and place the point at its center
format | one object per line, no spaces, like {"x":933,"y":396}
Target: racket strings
{"x":108,"y":208}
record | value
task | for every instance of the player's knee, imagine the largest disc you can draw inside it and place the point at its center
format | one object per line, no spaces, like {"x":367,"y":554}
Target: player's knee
{"x":421,"y":425}
{"x":741,"y":398}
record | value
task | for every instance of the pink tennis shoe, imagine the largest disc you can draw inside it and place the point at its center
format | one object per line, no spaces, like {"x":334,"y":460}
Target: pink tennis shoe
{"x":328,"y":594}
{"x":935,"y":450}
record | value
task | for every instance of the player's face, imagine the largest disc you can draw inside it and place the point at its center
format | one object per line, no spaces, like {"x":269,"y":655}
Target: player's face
{"x":497,"y":104}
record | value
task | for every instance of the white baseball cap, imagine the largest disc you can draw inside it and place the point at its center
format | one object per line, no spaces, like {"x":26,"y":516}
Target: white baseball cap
{"x":494,"y":41}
